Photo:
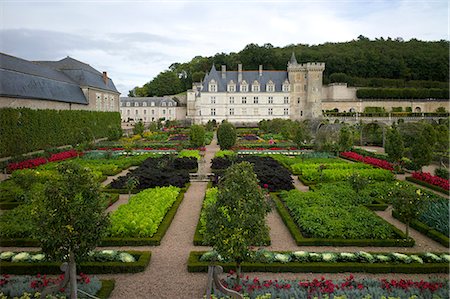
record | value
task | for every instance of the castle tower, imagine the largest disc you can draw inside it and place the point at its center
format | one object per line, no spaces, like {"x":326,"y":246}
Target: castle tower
{"x":305,"y":89}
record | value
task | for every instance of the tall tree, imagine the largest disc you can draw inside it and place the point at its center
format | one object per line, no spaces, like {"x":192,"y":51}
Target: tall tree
{"x":226,"y":135}
{"x":236,"y":221}
{"x":345,"y":139}
{"x":394,"y":146}
{"x":69,"y":216}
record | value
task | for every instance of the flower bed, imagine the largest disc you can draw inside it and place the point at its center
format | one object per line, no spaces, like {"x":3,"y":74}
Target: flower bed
{"x":430,"y":232}
{"x":387,"y":234}
{"x":368,"y":160}
{"x":304,"y":262}
{"x":432,"y":180}
{"x":312,"y":176}
{"x":268,"y":171}
{"x":343,"y":289}
{"x":210,"y":198}
{"x":142,"y":259}
{"x":26,"y":286}
{"x":157,"y":172}
{"x":17,"y":228}
{"x":32,"y":163}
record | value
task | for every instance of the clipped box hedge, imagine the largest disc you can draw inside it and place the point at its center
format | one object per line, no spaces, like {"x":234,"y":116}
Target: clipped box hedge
{"x":426,"y":230}
{"x":303,"y":241}
{"x":17,"y":268}
{"x":107,"y":288}
{"x":42,"y":129}
{"x":430,"y":186}
{"x":195,"y":265}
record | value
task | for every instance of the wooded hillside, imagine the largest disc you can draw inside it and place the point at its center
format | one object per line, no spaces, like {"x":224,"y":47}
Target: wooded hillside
{"x":360,"y":62}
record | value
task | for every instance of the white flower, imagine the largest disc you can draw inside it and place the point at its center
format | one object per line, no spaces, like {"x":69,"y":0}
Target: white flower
{"x":366,"y":255}
{"x":21,"y":257}
{"x":433,"y":256}
{"x":108,"y":252}
{"x":300,"y":253}
{"x":402,"y":257}
{"x":446,"y":257}
{"x":383,"y":258}
{"x":328,"y":257}
{"x":126,"y":257}
{"x":315,"y":256}
{"x":38,"y":257}
{"x":347,"y":255}
{"x":416,"y":258}
{"x":282,"y":258}
{"x":6,"y":255}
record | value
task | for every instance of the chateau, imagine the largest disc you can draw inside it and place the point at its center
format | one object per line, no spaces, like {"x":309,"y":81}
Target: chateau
{"x":297,"y":94}
{"x":250,"y":96}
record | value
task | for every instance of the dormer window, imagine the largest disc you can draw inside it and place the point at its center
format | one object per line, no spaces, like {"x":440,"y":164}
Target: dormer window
{"x":128,"y":104}
{"x":163,"y":104}
{"x":255,"y":86}
{"x":144,"y":104}
{"x":231,"y":87}
{"x":212,"y":86}
{"x":136,"y":104}
{"x":286,"y":86}
{"x":270,"y":87}
{"x":170,"y":104}
{"x":244,"y":86}
{"x":152,"y":104}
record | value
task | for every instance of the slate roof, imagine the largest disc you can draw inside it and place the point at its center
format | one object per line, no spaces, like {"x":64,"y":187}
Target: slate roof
{"x":50,"y":80}
{"x":81,"y":73}
{"x":25,"y":79}
{"x":140,"y":100}
{"x":277,"y":77}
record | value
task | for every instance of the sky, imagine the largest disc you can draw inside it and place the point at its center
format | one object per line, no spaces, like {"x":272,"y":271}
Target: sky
{"x":135,"y":40}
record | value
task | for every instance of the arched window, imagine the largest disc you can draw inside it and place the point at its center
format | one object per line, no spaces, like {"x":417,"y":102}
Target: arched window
{"x":418,"y":110}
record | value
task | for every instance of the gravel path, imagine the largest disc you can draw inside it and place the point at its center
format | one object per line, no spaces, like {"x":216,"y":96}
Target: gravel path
{"x":167,"y":276}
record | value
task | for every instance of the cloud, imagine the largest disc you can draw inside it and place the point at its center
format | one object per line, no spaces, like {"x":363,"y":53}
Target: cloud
{"x":135,"y":40}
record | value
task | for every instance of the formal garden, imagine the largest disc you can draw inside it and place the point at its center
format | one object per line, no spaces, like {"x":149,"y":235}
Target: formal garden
{"x":136,"y":204}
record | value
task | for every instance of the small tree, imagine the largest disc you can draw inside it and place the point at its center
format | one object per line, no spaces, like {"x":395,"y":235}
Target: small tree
{"x":408,"y":204}
{"x":394,"y":145}
{"x":197,"y":136}
{"x":422,"y":151}
{"x":226,"y":135}
{"x":301,"y":135}
{"x":357,"y":181}
{"x":138,"y":128}
{"x":237,"y":220}
{"x":69,"y":216}
{"x":345,"y":142}
{"x":131,"y":183}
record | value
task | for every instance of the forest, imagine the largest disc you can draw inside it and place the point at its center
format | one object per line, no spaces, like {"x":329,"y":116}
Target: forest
{"x":360,"y":62}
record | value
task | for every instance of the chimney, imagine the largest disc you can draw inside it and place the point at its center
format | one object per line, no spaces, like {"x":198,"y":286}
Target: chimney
{"x":224,"y":71}
{"x":260,"y":70}
{"x":105,"y":77}
{"x":240,"y":72}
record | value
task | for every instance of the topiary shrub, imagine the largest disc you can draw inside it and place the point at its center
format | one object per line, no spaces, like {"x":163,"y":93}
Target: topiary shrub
{"x":197,"y":136}
{"x":226,"y":135}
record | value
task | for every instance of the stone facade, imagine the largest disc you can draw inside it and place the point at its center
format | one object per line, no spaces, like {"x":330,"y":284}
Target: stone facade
{"x":251,"y":96}
{"x":149,"y":109}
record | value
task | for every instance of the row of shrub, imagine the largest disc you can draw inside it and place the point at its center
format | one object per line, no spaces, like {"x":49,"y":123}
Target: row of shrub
{"x":142,"y":259}
{"x":196,"y":265}
{"x":426,"y":177}
{"x":25,"y":130}
{"x":402,"y":93}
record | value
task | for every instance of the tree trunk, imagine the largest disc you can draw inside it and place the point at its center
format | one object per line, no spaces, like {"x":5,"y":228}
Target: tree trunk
{"x":238,"y":272}
{"x":72,"y":276}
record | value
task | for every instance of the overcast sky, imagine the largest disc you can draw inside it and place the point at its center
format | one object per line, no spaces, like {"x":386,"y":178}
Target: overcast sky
{"x":135,"y":40}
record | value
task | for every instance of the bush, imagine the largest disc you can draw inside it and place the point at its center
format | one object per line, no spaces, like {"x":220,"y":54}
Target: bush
{"x":114,"y":133}
{"x":50,"y":128}
{"x":226,"y":135}
{"x":197,"y":136}
{"x":138,"y":128}
{"x":442,"y":173}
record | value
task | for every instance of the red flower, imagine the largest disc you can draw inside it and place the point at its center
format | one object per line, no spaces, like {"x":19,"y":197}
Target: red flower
{"x":266,"y":186}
